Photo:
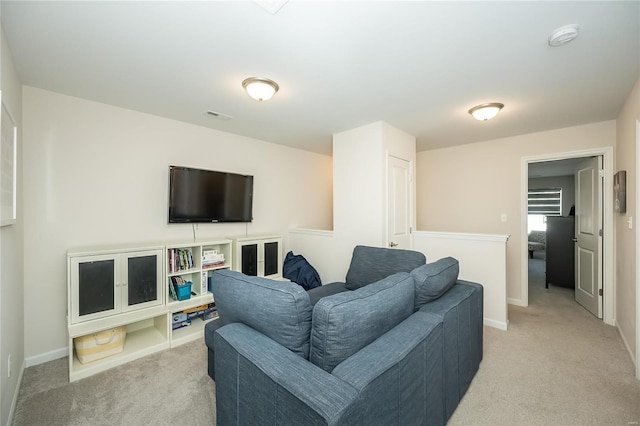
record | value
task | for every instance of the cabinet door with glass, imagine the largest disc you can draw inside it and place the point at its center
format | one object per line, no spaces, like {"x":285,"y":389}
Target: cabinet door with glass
{"x":101,"y":285}
{"x":142,"y":278}
{"x":258,"y":255}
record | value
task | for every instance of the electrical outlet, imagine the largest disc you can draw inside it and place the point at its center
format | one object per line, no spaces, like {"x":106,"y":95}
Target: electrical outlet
{"x":9,"y":366}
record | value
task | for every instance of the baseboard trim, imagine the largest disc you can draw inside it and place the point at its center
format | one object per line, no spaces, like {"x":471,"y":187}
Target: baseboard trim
{"x":14,"y":401}
{"x":626,"y":345}
{"x":46,"y":357}
{"x":516,"y":302}
{"x":496,"y":324}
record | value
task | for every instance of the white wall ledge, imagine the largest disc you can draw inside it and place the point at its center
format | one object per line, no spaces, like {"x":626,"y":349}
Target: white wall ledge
{"x":463,"y":236}
{"x":307,"y":231}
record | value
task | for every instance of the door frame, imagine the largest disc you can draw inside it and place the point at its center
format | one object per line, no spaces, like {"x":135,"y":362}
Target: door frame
{"x":608,"y":285}
{"x":637,"y":250}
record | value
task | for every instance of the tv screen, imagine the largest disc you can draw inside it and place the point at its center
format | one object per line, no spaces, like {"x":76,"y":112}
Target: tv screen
{"x":200,"y":196}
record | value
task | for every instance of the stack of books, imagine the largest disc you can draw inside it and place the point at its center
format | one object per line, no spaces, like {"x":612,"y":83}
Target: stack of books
{"x":184,"y":318}
{"x":212,"y":259}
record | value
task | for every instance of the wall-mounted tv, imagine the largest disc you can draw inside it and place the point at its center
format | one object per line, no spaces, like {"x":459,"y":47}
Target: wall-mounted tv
{"x":205,"y":196}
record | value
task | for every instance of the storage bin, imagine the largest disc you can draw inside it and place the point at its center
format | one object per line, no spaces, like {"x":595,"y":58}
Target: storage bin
{"x":183,"y":291}
{"x":100,"y":345}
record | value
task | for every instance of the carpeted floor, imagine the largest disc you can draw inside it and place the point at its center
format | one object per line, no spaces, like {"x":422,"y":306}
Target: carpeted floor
{"x":167,"y":388}
{"x":556,"y":365}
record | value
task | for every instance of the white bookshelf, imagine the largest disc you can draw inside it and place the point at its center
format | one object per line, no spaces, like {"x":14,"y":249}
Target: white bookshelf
{"x":149,"y":327}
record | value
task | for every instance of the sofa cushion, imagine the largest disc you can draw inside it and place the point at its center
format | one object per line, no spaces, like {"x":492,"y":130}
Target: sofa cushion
{"x":325,"y":290}
{"x":434,"y":279}
{"x":278,"y":309}
{"x":346,"y":322}
{"x":371,"y":264}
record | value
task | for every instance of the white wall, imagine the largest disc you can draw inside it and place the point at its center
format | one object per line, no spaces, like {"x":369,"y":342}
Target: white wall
{"x":627,"y":273}
{"x":360,"y":159}
{"x":452,"y":185}
{"x":482,"y":259}
{"x":97,"y":174}
{"x":358,"y":184}
{"x":11,"y":256}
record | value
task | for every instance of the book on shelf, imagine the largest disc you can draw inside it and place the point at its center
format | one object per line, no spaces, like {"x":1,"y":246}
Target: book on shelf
{"x":180,"y":259}
{"x":210,"y":315}
{"x":172,"y":290}
{"x":182,"y":324}
{"x":211,"y":259}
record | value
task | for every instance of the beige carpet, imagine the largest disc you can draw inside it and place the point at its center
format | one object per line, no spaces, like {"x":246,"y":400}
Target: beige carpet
{"x":556,"y":365}
{"x":167,"y":388}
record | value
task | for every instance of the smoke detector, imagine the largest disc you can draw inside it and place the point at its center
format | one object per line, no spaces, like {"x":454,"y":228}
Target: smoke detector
{"x":563,"y":35}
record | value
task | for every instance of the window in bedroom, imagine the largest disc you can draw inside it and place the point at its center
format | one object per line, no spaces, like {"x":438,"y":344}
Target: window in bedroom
{"x":543,"y":202}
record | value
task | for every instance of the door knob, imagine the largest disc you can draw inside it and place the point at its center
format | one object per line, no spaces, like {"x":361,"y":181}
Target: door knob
{"x":392,"y":244}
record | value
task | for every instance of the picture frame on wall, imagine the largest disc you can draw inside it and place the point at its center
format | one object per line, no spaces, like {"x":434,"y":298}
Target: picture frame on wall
{"x":620,"y":191}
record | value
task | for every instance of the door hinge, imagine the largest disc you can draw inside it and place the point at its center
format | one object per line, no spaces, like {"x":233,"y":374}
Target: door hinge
{"x":600,"y":232}
{"x":600,"y":292}
{"x":601,"y":173}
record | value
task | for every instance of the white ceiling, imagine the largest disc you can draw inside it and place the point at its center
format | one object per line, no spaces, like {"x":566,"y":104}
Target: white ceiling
{"x":417,"y":65}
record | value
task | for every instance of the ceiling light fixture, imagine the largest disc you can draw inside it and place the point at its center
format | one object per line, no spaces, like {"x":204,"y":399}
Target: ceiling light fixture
{"x":486,"y":111}
{"x":563,"y":35}
{"x":260,"y":89}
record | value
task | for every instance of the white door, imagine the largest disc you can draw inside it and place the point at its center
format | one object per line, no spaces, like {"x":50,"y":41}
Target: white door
{"x":588,"y":264}
{"x":399,"y":203}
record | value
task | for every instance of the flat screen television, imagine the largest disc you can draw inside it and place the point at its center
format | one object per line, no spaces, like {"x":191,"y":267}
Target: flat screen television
{"x":205,"y":196}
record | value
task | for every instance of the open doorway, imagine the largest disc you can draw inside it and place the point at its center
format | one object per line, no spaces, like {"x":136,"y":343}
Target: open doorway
{"x":551,"y":228}
{"x":564,"y":160}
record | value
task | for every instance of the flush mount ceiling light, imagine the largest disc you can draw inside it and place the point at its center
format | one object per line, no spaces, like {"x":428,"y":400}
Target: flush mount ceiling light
{"x":563,"y":35}
{"x":486,"y":111}
{"x":260,"y":89}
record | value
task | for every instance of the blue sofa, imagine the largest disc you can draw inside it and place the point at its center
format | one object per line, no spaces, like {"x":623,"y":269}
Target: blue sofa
{"x":402,"y":349}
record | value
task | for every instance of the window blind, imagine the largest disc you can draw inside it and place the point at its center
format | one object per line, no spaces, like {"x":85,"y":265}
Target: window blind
{"x":545,"y":201}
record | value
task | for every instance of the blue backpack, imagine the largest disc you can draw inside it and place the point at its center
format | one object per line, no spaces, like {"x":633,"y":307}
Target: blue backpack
{"x":297,"y":269}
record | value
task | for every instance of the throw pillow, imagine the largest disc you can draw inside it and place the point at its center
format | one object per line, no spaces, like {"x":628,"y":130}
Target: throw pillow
{"x":278,"y":309}
{"x":434,"y":279}
{"x":346,"y":322}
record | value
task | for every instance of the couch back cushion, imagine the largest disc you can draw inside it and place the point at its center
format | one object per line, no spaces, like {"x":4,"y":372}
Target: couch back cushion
{"x":346,"y":322}
{"x":371,"y":264}
{"x":434,"y":279}
{"x":278,"y":309}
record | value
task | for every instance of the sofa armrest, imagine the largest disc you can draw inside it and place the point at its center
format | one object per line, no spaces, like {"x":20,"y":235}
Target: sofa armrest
{"x":258,"y":381}
{"x":461,"y":311}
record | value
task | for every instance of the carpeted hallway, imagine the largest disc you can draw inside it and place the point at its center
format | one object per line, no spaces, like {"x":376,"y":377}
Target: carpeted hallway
{"x":556,"y":365}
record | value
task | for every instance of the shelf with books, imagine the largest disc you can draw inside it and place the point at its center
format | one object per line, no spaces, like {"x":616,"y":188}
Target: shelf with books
{"x":193,"y":264}
{"x":185,"y":271}
{"x":183,"y":258}
{"x":188,"y":325}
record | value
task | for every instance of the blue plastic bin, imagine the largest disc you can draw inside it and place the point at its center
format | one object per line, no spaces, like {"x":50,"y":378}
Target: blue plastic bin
{"x":183,"y":291}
